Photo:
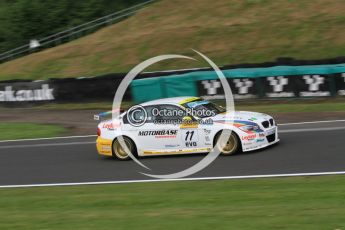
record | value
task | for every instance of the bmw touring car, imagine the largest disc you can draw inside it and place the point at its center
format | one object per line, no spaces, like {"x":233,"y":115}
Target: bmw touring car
{"x":167,"y":127}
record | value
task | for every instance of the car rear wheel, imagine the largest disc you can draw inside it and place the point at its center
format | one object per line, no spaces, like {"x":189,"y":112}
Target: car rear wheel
{"x":227,"y":146}
{"x":119,"y":152}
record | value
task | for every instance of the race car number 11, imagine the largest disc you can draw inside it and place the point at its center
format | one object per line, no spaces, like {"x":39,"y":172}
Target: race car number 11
{"x":190,"y":137}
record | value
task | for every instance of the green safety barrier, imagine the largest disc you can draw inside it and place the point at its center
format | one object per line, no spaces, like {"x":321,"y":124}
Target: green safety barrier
{"x":184,"y":84}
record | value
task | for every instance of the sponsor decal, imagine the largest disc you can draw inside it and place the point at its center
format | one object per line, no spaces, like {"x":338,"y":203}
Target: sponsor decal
{"x":159,"y":133}
{"x":243,"y":85}
{"x":207,"y":138}
{"x":340,"y":84}
{"x":249,"y":148}
{"x":207,"y":131}
{"x":260,"y":140}
{"x":211,"y":86}
{"x":280,"y":86}
{"x":191,"y":144}
{"x":110,"y":126}
{"x":315,"y":84}
{"x":171,"y":146}
{"x":43,"y":94}
{"x":249,"y":137}
{"x":261,"y":135}
{"x":243,"y":88}
{"x":189,"y":135}
{"x":106,"y":148}
{"x":247,"y":143}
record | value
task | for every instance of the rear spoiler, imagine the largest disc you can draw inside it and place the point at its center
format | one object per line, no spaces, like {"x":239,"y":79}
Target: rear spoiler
{"x":97,"y":117}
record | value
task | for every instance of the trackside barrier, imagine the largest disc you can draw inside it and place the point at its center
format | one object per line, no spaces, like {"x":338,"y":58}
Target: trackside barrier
{"x":66,"y":90}
{"x":247,"y":83}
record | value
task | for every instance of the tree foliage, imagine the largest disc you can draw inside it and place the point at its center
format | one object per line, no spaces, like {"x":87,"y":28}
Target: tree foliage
{"x":22,"y":20}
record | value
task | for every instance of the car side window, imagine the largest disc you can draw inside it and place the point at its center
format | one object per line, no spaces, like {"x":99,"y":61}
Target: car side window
{"x":150,"y":117}
{"x":171,"y":113}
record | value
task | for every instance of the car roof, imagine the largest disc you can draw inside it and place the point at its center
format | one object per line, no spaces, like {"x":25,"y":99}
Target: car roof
{"x":171,"y":100}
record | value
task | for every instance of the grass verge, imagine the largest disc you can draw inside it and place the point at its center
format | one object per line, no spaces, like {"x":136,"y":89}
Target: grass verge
{"x":275,"y":203}
{"x":11,"y":131}
{"x":227,"y":31}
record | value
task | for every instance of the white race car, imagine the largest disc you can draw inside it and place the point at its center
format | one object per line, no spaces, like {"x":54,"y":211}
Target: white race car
{"x":183,"y":125}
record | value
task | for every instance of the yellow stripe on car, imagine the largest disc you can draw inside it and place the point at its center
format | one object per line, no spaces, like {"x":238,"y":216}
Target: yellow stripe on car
{"x":199,"y":150}
{"x":188,"y":100}
{"x":192,"y":125}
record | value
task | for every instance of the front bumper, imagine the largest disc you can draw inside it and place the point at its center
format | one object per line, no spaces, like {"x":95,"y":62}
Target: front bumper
{"x":260,"y":146}
{"x":104,"y":146}
{"x":262,"y":140}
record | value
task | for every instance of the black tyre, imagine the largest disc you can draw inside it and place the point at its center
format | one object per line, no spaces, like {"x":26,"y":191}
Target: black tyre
{"x":227,"y":146}
{"x":119,"y":152}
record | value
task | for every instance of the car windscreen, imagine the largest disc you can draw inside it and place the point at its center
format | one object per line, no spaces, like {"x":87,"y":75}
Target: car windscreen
{"x":202,"y":108}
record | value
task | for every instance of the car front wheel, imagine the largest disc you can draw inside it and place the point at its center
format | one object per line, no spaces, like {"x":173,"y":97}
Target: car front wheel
{"x":227,"y":146}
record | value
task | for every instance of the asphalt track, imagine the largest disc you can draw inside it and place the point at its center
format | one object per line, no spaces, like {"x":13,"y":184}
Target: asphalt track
{"x":304,"y":148}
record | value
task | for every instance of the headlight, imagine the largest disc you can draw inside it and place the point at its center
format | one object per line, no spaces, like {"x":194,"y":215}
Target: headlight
{"x":249,"y":127}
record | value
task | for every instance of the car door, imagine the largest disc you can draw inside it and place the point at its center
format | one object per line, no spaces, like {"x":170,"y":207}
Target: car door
{"x":189,"y":134}
{"x":169,"y":119}
{"x":192,"y":135}
{"x":153,"y":137}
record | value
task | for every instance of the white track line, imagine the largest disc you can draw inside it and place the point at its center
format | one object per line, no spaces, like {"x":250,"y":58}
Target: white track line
{"x":48,"y":138}
{"x":45,"y":145}
{"x":91,"y":135}
{"x":310,"y":130}
{"x":171,"y":180}
{"x":311,"y":122}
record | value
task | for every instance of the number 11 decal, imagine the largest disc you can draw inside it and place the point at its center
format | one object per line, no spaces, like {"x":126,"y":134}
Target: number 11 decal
{"x":191,"y":133}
